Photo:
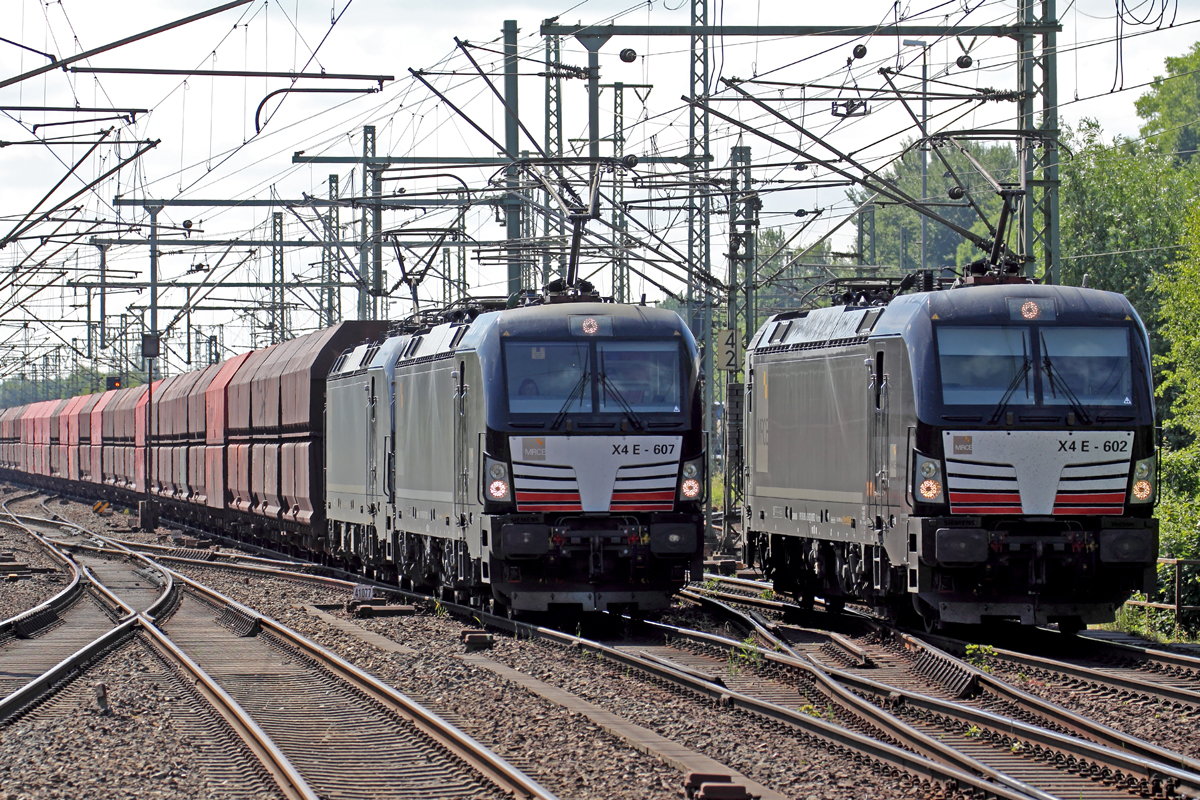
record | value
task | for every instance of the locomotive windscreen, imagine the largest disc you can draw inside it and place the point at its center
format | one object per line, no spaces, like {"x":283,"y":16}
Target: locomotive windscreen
{"x":542,"y":376}
{"x":643,"y":374}
{"x":1092,"y":362}
{"x":980,"y":364}
{"x":572,"y":377}
{"x":1043,"y":365}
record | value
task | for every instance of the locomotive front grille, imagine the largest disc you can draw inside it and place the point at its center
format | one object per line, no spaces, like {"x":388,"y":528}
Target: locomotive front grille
{"x":645,"y":488}
{"x":545,"y":488}
{"x":976,"y":488}
{"x":1092,"y":488}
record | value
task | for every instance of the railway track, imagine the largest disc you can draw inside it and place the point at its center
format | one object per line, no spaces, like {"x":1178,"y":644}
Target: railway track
{"x":945,"y":696}
{"x":300,"y":709}
{"x":854,"y":743}
{"x":1133,"y":672}
{"x":102,"y":592}
{"x":1002,"y":754}
{"x":1104,"y":668}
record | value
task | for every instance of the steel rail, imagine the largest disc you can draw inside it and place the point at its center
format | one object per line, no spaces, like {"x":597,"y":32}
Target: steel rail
{"x":290,"y":783}
{"x":167,"y":597}
{"x":1092,"y":734}
{"x":1035,"y":705}
{"x":1149,"y":689}
{"x":491,"y":765}
{"x":1134,"y":765}
{"x":934,"y":769}
{"x":866,"y":711}
{"x":911,"y":762}
{"x":1162,"y":658}
{"x":278,"y":766}
{"x":43,"y":684}
{"x":851,"y":650}
{"x":56,"y":604}
{"x":927,"y":748}
{"x":1128,"y":755}
{"x":467,"y":749}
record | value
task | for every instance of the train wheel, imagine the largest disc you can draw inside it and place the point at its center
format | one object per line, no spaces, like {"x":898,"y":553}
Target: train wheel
{"x":1070,"y":626}
{"x":835,"y":605}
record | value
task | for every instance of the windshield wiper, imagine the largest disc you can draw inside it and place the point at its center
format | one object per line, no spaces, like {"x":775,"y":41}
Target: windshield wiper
{"x":1008,"y":393}
{"x":1056,"y":383}
{"x":616,"y":395}
{"x":576,"y":393}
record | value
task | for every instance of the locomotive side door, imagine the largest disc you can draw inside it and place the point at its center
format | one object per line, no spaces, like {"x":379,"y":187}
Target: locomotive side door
{"x":877,"y":445}
{"x":372,"y":457}
{"x":462,"y":463}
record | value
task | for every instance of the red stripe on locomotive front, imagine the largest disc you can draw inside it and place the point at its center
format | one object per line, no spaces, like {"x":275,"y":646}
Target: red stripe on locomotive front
{"x":1090,"y":499}
{"x":1088,"y":510}
{"x":964,"y":497}
{"x":547,"y":497}
{"x":628,"y":497}
{"x":985,"y":509}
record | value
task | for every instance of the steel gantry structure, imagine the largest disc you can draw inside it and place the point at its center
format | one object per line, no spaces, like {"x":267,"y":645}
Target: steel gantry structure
{"x":1035,"y":34}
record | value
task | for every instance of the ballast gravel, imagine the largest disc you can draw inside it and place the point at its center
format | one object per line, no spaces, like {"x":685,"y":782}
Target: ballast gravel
{"x":1164,"y":725}
{"x":26,"y":590}
{"x":566,"y":753}
{"x":563,"y":751}
{"x":141,"y":741}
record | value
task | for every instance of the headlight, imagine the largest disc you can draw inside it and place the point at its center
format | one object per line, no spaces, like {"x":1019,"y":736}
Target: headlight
{"x":926,"y":486}
{"x":691,"y":485}
{"x":495,"y":479}
{"x":1144,"y":477}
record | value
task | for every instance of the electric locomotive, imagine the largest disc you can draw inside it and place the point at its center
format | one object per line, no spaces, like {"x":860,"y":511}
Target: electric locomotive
{"x":972,"y":453}
{"x":543,"y":457}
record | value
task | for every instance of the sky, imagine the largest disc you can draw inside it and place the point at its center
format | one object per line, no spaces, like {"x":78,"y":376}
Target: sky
{"x":207,"y":147}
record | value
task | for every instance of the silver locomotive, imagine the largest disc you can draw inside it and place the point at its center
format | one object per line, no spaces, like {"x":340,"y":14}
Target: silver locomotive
{"x":965,"y":454}
{"x":544,"y":457}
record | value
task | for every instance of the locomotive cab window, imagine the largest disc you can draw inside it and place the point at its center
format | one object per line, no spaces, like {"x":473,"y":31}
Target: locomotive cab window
{"x":643,"y":374}
{"x":1039,"y":365}
{"x":979,"y":365}
{"x":607,"y":376}
{"x":548,"y":377}
{"x":1090,"y":363}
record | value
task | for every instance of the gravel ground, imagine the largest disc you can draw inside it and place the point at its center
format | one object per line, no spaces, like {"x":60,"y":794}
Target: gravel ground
{"x":769,"y":754}
{"x":1162,"y":725}
{"x":22,"y":595}
{"x":118,"y":525}
{"x":146,"y":746}
{"x":684,"y":614}
{"x":573,"y":758}
{"x":564,"y":752}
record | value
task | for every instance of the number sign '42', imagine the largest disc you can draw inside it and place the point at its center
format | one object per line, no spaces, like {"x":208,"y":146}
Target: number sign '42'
{"x":729,"y":350}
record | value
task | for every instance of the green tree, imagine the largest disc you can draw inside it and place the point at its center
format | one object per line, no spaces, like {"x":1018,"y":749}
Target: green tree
{"x":1172,"y":106}
{"x":793,"y":277}
{"x":1177,"y":288}
{"x":1119,"y":211}
{"x":898,"y":228}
